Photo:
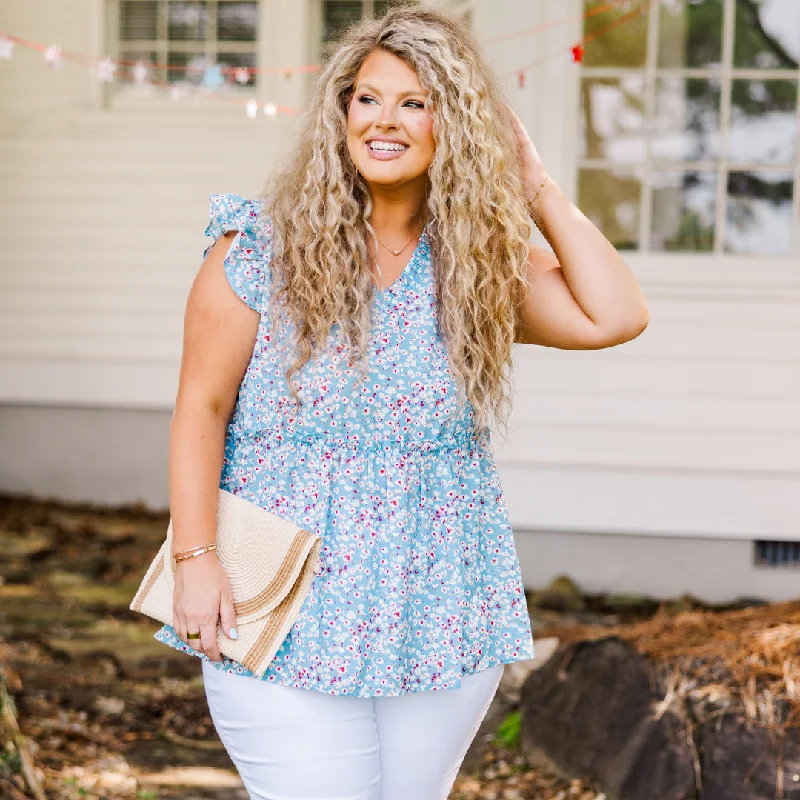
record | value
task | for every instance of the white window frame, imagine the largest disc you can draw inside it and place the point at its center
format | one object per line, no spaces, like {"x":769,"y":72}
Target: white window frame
{"x":118,"y":95}
{"x":725,"y":74}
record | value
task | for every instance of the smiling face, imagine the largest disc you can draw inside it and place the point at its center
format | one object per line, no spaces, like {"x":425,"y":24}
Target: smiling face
{"x":389,"y":131}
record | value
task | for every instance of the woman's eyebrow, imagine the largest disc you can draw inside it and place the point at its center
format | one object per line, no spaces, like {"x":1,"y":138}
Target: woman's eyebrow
{"x":402,"y":94}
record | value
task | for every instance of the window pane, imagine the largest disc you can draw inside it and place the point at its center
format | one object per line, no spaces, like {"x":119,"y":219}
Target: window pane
{"x":613,"y":41}
{"x":187,"y":20}
{"x":237,"y":22}
{"x":686,"y":124}
{"x":763,"y":121}
{"x":767,"y":34}
{"x":612,"y":118}
{"x":759,"y":213}
{"x":187,"y":67}
{"x":234,"y":60}
{"x":339,"y":15}
{"x":684,"y":208}
{"x":149,"y":58}
{"x":690,"y":33}
{"x":380,"y":7}
{"x":138,"y":20}
{"x":611,"y":199}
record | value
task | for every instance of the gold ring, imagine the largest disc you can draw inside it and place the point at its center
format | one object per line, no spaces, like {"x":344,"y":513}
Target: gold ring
{"x":193,"y":635}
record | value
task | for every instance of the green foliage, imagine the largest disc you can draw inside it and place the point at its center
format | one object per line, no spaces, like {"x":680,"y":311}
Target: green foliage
{"x":691,"y":34}
{"x":617,"y":37}
{"x":82,"y":790}
{"x":509,"y":729}
{"x":692,"y":234}
{"x":12,"y":761}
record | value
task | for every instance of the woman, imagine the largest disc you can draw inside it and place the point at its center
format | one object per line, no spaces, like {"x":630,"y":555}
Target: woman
{"x":346,"y":345}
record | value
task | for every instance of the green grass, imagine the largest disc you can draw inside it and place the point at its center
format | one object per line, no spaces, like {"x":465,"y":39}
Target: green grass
{"x":508,"y":730}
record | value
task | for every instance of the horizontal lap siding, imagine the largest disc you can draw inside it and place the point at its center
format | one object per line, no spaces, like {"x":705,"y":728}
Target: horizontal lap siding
{"x":103,"y":230}
{"x":692,"y":429}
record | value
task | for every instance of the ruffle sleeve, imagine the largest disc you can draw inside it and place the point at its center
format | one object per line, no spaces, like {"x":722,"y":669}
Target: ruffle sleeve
{"x":247,"y":261}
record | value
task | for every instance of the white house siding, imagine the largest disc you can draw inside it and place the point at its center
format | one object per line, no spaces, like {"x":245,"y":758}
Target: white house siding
{"x":103,"y":213}
{"x":102,"y":216}
{"x":651,"y":467}
{"x":647,"y":467}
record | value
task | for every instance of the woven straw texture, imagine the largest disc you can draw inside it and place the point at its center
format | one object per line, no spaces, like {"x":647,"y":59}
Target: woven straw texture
{"x":270,"y":563}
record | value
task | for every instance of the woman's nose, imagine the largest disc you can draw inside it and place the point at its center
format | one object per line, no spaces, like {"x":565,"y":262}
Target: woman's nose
{"x":388,"y":113}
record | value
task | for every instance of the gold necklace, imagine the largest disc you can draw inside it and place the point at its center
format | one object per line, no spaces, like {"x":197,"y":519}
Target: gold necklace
{"x":392,"y":250}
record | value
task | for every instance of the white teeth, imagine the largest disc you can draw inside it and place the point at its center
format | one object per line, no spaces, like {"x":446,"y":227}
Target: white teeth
{"x":387,"y":146}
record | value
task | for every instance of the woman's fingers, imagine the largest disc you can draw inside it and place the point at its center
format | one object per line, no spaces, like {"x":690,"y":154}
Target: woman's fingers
{"x":207,"y":643}
{"x":179,"y":625}
{"x":208,"y":636}
{"x":183,"y":626}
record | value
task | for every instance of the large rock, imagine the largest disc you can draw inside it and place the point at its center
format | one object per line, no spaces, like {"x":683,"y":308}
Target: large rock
{"x":591,"y":712}
{"x":515,"y":673}
{"x":745,"y":761}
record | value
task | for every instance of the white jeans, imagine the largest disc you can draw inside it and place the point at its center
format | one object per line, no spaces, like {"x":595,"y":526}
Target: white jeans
{"x":301,"y":744}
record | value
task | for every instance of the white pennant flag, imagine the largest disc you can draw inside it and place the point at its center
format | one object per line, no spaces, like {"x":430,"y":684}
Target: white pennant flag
{"x":52,"y":56}
{"x":6,"y":46}
{"x":140,"y":73}
{"x":105,"y":69}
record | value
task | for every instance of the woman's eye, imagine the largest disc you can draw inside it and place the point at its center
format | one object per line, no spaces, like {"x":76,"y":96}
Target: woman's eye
{"x":365,"y":98}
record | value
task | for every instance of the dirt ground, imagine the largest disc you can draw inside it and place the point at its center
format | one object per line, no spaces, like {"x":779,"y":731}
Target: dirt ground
{"x":106,"y":711}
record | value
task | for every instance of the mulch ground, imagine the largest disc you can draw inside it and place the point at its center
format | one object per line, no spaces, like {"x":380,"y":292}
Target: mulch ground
{"x":108,"y":712}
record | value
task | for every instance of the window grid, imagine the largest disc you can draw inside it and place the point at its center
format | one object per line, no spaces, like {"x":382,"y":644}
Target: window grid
{"x":646,"y":196}
{"x":728,"y":28}
{"x":796,"y":196}
{"x":725,"y":73}
{"x":366,"y":8}
{"x":162,"y":45}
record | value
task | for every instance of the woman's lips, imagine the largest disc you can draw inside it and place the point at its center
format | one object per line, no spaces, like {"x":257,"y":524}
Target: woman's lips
{"x":385,"y":155}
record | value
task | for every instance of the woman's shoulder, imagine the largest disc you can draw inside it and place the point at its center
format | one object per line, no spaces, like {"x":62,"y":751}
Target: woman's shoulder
{"x":248,"y":257}
{"x":234,"y":212}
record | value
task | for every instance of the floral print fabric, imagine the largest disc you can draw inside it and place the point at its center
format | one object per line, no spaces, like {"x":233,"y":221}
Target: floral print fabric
{"x":420,"y":581}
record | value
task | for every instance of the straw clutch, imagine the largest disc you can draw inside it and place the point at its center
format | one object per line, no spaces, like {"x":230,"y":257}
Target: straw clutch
{"x":270,"y":563}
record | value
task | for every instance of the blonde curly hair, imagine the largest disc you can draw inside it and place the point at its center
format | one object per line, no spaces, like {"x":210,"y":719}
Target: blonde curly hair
{"x":319,"y":207}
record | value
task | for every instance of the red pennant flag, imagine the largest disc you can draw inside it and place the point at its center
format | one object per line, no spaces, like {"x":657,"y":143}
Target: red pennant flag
{"x":577,"y":54}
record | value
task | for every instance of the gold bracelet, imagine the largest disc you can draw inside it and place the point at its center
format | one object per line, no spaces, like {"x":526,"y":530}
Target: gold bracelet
{"x":193,"y":551}
{"x":189,"y":549}
{"x":533,"y":200}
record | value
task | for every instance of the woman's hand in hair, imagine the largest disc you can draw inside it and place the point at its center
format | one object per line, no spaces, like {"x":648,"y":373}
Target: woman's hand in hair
{"x":533,"y":170}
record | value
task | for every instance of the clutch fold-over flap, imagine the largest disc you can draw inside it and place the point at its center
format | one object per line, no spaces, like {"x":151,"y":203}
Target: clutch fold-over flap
{"x":261,"y":552}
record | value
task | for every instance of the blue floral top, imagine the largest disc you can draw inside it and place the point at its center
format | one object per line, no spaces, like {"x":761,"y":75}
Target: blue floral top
{"x":420,"y":581}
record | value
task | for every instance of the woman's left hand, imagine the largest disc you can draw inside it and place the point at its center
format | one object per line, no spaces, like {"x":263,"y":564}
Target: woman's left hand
{"x":533,"y":171}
